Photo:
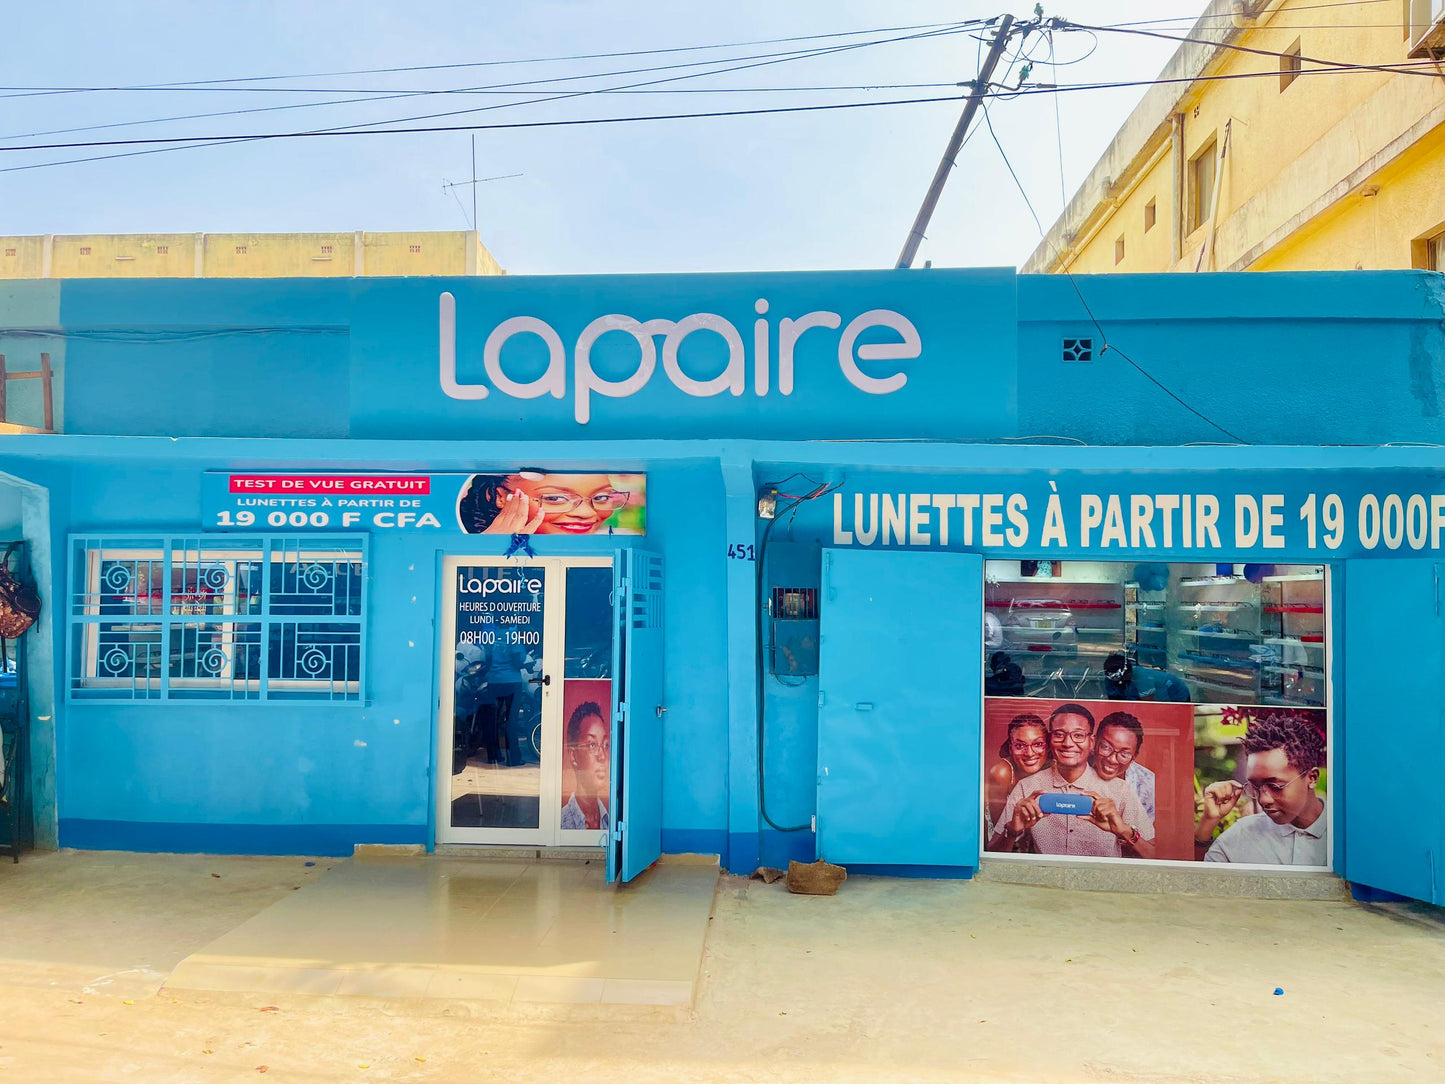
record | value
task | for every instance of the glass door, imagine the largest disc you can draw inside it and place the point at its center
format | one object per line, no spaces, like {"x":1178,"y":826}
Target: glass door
{"x":585,"y":764}
{"x":525,"y":701}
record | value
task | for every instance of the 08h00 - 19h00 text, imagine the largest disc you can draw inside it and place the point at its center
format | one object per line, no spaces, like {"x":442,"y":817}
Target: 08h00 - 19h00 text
{"x":1139,"y":521}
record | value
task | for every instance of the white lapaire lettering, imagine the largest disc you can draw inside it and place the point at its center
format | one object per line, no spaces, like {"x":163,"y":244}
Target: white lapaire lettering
{"x":732,"y":379}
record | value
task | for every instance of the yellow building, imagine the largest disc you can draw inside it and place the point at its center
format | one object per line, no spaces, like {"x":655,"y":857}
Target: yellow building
{"x":1268,"y":160}
{"x":244,"y":255}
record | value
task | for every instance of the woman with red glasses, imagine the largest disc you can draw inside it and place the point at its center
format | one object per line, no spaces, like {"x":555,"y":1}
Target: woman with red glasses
{"x":538,"y":502}
{"x":1024,"y":752}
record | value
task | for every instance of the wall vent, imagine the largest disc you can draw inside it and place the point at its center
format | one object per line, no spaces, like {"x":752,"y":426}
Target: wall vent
{"x":1078,"y":350}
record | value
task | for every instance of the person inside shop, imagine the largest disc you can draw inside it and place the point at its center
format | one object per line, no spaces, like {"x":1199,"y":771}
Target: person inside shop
{"x":589,"y":754}
{"x":1116,"y":824}
{"x":1125,"y":681}
{"x":1116,"y":754}
{"x":536,"y":502}
{"x":1285,"y":755}
{"x":1025,"y":750}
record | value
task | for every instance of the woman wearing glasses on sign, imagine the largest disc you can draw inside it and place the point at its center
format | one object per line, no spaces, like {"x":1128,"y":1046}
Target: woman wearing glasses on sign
{"x":536,"y":502}
{"x":1024,"y":751}
{"x":1286,"y":753}
{"x":589,"y":754}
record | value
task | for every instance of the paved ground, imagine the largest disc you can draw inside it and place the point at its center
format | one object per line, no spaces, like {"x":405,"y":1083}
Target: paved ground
{"x":890,"y":980}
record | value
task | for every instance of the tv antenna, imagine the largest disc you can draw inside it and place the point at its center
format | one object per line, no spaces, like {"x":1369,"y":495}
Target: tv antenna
{"x":452,"y":186}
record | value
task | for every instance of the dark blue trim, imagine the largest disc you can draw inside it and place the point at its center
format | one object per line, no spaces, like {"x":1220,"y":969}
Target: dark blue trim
{"x":285,"y":839}
{"x":695,"y":841}
{"x":936,"y":873}
{"x":780,"y":848}
{"x":1366,"y":894}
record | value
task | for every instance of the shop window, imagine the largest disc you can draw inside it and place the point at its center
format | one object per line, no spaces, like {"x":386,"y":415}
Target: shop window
{"x":217,"y":618}
{"x":1193,"y":697}
{"x":1202,"y":168}
{"x":1151,"y":213}
{"x":1289,"y":65}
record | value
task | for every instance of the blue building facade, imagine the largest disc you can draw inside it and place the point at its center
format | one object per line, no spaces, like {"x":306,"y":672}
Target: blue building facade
{"x":822,"y":505}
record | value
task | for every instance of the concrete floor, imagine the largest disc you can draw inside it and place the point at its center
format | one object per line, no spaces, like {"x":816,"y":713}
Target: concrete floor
{"x":889,"y":980}
{"x":471,"y":929}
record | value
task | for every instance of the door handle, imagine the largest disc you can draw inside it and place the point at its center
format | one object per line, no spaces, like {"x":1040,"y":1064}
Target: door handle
{"x":863,"y":705}
{"x":545,"y":679}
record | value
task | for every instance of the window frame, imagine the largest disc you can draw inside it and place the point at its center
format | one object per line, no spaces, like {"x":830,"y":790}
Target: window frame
{"x":238,"y":618}
{"x":1199,"y":202}
{"x":1290,"y":65}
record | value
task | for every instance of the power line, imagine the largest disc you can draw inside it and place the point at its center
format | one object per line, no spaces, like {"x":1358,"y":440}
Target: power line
{"x":362,"y":129}
{"x":162,"y":145}
{"x":1063,"y":24}
{"x":1231,"y":16}
{"x":197,"y":84}
{"x":1103,"y":335}
{"x":775,"y":57}
{"x":206,"y":141}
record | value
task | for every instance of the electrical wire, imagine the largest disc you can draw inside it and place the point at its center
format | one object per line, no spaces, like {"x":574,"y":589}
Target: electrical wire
{"x":783,"y":56}
{"x":1103,"y":335}
{"x":184,"y":143}
{"x":1063,"y":24}
{"x":820,"y":491}
{"x":1231,"y":16}
{"x":201,"y":84}
{"x":161,"y":145}
{"x":200,"y":141}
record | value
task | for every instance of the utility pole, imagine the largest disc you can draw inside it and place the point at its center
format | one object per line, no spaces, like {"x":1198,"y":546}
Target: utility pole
{"x":975,"y":99}
{"x":474,"y":182}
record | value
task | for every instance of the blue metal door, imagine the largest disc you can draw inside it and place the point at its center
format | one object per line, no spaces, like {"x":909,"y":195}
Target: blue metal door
{"x":900,"y":712}
{"x":1391,"y":727}
{"x":636,"y":838}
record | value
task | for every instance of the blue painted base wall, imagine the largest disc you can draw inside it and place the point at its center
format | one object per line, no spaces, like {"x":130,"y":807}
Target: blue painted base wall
{"x":284,"y":839}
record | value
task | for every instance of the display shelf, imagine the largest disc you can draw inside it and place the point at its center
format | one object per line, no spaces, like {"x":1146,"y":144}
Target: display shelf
{"x":1224,"y":607}
{"x":1294,"y":608}
{"x":1314,"y":673}
{"x":1298,"y":577}
{"x":1286,"y":641}
{"x":1238,"y":690}
{"x":1290,"y":702}
{"x":1224,"y":635}
{"x":1026,"y":605}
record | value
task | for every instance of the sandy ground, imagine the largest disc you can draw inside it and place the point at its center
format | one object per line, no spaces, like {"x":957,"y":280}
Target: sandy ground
{"x":890,"y":980}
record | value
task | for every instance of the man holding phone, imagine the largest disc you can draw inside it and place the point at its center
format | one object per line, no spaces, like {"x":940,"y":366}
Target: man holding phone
{"x":1068,"y":808}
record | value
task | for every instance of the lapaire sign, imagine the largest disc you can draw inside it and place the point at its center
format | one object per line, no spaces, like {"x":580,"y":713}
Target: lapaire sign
{"x":764,"y":361}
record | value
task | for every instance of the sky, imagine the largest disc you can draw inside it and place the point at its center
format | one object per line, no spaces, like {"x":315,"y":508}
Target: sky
{"x":813,"y":190}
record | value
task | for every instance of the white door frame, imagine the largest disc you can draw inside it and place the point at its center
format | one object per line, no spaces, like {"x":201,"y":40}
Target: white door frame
{"x":548,"y":833}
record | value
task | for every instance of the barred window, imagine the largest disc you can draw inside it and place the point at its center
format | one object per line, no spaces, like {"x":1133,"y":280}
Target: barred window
{"x":217,"y":618}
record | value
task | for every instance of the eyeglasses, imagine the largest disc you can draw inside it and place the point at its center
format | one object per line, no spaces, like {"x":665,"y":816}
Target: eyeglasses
{"x":1108,"y":752}
{"x":1029,"y":746}
{"x":594,"y":749}
{"x":1274,"y":790}
{"x":557,"y":504}
{"x":1059,"y":737}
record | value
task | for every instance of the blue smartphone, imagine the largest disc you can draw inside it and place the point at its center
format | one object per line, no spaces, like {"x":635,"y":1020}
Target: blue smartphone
{"x":1073,"y":805}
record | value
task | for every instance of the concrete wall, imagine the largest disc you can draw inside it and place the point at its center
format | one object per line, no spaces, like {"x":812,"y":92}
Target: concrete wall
{"x":340,"y":254}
